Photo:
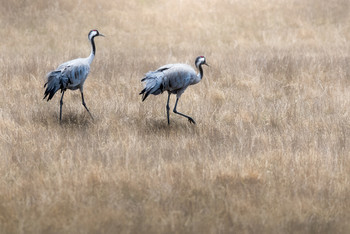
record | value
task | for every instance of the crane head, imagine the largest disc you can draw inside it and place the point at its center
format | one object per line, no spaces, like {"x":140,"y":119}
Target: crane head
{"x":94,"y":33}
{"x":200,"y":60}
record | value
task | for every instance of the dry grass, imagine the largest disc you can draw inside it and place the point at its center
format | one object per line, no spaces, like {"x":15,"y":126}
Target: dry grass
{"x":270,"y":152}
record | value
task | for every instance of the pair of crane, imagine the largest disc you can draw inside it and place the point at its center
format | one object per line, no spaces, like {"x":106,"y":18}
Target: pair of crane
{"x":173,"y":78}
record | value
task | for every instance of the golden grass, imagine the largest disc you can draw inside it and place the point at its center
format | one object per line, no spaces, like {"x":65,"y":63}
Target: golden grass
{"x":269,"y":153}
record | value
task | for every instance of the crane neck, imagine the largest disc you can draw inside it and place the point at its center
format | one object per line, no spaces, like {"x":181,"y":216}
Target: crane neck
{"x":200,"y":75}
{"x":93,"y":50}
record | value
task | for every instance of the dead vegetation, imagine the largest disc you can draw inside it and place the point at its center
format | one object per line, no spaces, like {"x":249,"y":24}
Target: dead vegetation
{"x":269,"y":153}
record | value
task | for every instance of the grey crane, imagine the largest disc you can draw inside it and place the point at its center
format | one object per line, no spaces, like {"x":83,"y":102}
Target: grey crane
{"x":174,"y":78}
{"x":71,"y":75}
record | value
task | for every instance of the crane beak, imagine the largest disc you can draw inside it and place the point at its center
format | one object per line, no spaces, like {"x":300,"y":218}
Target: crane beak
{"x":206,"y":64}
{"x":101,"y":35}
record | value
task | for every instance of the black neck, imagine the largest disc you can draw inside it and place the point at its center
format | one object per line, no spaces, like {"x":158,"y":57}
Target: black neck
{"x":200,"y":71}
{"x":93,"y":46}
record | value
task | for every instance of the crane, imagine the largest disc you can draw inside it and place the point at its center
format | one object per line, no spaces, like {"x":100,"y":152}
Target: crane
{"x":174,"y":78}
{"x":71,"y":75}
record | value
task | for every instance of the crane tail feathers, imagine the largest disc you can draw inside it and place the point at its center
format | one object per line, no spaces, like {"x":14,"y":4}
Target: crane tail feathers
{"x":143,"y":91}
{"x":54,"y":82}
{"x":144,"y":96}
{"x":153,"y":84}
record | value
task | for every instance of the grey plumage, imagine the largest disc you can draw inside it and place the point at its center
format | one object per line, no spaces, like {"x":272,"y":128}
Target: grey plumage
{"x":71,"y":75}
{"x":174,"y":78}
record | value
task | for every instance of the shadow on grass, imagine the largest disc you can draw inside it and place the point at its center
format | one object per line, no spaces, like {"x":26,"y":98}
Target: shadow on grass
{"x":76,"y":120}
{"x":69,"y":119}
{"x":160,"y":126}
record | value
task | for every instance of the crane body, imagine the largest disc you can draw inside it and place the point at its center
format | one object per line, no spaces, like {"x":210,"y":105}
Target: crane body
{"x":71,"y":75}
{"x":173,"y":78}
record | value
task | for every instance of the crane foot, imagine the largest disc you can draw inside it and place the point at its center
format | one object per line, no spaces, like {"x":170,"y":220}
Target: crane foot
{"x":191,"y":120}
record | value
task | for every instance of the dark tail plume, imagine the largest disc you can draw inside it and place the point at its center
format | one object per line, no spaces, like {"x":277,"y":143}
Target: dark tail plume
{"x":54,"y":82}
{"x":153,"y":84}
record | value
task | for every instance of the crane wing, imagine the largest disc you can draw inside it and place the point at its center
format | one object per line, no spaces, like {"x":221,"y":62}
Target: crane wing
{"x":76,"y":71}
{"x":178,"y":76}
{"x":174,"y":78}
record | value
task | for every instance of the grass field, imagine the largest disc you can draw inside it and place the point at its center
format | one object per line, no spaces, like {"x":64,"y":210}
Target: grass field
{"x":269,"y":153}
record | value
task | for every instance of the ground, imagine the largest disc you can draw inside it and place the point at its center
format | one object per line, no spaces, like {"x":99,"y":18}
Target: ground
{"x":269,"y":153}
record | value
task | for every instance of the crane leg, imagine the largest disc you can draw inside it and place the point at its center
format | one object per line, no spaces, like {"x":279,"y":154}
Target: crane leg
{"x":168,"y":108}
{"x":61,"y":104}
{"x":188,"y":117}
{"x":82,"y":98}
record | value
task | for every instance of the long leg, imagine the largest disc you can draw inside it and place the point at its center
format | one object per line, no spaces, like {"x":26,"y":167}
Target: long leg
{"x":61,"y":103}
{"x":176,"y":112}
{"x":168,"y":108}
{"x":82,"y":98}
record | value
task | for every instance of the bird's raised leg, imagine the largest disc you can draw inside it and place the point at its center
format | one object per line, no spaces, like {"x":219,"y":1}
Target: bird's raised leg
{"x":82,"y":98}
{"x":168,"y":108}
{"x":61,"y":103}
{"x":188,"y":117}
